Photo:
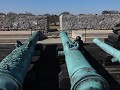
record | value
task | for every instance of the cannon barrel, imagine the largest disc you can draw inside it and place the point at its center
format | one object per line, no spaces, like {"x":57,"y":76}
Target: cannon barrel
{"x":14,"y":67}
{"x":82,"y":75}
{"x":108,"y":49}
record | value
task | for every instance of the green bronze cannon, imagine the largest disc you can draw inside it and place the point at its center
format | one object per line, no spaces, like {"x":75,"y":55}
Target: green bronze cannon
{"x":82,"y":75}
{"x":109,"y":49}
{"x":14,"y":67}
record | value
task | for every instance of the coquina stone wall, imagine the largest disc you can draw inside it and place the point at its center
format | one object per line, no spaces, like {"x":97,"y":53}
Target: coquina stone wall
{"x":97,"y":22}
{"x":23,"y":22}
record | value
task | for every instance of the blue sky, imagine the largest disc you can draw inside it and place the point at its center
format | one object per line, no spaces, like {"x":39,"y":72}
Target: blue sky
{"x":58,"y":6}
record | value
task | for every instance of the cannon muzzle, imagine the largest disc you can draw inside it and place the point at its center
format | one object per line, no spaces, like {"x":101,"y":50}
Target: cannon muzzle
{"x":82,"y":75}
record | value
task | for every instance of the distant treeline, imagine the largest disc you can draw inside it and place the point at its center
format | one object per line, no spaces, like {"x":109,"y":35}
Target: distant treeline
{"x":110,"y":12}
{"x":28,"y":20}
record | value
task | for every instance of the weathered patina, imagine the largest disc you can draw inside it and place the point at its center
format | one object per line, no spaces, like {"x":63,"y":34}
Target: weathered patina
{"x":82,"y":75}
{"x":13,"y":67}
{"x":108,"y":49}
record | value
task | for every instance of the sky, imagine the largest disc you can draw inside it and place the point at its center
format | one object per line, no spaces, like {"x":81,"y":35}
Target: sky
{"x":40,"y":7}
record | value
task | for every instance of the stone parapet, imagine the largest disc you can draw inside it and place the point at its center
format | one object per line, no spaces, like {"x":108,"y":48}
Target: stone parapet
{"x":23,"y":22}
{"x":95,"y":22}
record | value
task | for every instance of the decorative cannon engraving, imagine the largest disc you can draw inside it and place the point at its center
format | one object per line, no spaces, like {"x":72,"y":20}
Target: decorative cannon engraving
{"x":13,"y":67}
{"x":82,"y":75}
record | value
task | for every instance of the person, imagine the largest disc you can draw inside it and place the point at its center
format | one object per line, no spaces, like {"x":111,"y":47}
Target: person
{"x":79,"y":41}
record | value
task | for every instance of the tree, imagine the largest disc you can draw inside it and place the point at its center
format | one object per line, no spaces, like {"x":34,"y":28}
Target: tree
{"x":47,"y":15}
{"x":11,"y":14}
{"x":110,"y":12}
{"x":1,"y":13}
{"x":65,"y":13}
{"x":11,"y":17}
{"x":29,"y":14}
{"x":52,"y":18}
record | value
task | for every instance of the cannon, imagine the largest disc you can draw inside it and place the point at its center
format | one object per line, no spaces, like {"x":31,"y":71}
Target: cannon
{"x":108,"y":49}
{"x":82,"y":75}
{"x":14,"y":67}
